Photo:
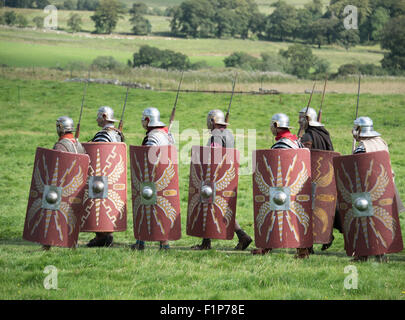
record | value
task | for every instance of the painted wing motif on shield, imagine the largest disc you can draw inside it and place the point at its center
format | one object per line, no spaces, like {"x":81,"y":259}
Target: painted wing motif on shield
{"x":295,"y":208}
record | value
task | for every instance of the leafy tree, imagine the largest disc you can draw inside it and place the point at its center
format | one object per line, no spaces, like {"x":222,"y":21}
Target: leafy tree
{"x":89,"y":5}
{"x":300,"y":59}
{"x":75,"y":22}
{"x":348,"y":38}
{"x":283,"y":22}
{"x":242,"y":60}
{"x":10,"y":18}
{"x":393,"y":39}
{"x":21,"y":21}
{"x":377,"y":22}
{"x":42,"y":3}
{"x":38,"y":21}
{"x":69,"y":5}
{"x":140,"y":25}
{"x":105,"y":63}
{"x":107,"y":14}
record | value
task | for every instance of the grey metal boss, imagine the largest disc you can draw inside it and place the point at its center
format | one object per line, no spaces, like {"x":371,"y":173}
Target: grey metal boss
{"x":153,"y":115}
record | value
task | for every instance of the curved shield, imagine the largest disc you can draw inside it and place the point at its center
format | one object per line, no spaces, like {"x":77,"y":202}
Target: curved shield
{"x":324,"y":194}
{"x":54,"y":203}
{"x":105,"y":198}
{"x":155,"y":193}
{"x":282,"y":198}
{"x":366,"y":206}
{"x":213,"y":189}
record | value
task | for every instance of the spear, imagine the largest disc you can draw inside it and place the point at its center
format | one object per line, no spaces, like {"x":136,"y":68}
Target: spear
{"x":230,"y":102}
{"x":175,"y":103}
{"x":81,"y":111}
{"x":357,"y":113}
{"x":319,"y":118}
{"x":123,"y":110}
{"x":301,"y":130}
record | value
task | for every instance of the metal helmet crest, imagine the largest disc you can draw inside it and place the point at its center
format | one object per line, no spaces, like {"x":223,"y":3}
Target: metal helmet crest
{"x":312,"y":117}
{"x":363,"y":128}
{"x":153,"y":115}
{"x":64,"y":125}
{"x":214,"y":117}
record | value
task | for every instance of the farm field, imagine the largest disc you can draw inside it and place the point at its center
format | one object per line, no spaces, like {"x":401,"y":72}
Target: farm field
{"x":29,"y":108}
{"x":56,"y":48}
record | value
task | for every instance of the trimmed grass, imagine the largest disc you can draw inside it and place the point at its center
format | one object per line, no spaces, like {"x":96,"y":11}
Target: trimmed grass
{"x":118,"y":272}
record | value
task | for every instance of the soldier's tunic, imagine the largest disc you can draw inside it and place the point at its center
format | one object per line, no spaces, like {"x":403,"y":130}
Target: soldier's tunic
{"x":221,"y":138}
{"x":67,"y":143}
{"x":287,"y":140}
{"x":109,"y":134}
{"x":378,"y":144}
{"x":158,"y":137}
{"x":317,"y":138}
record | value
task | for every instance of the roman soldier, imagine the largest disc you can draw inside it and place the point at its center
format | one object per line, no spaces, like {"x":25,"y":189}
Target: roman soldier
{"x":157,"y":134}
{"x":110,"y":134}
{"x":223,"y":138}
{"x":283,"y":200}
{"x":316,"y":137}
{"x":53,"y":212}
{"x":370,"y":140}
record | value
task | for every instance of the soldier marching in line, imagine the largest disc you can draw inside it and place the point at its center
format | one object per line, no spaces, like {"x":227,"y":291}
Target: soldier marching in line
{"x":157,"y":134}
{"x":370,"y":140}
{"x":316,"y":137}
{"x":66,"y":142}
{"x":280,"y":128}
{"x":108,"y":133}
{"x":223,"y":138}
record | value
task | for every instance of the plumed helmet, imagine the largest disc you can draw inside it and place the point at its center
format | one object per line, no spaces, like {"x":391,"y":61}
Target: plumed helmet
{"x":364,"y":128}
{"x":64,"y":125}
{"x":153,"y":115}
{"x":214,"y":117}
{"x":280,"y":120}
{"x":108,"y":112}
{"x":312,"y":117}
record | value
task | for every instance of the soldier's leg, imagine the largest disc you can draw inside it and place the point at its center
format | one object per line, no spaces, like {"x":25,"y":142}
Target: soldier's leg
{"x":46,"y":247}
{"x":302,"y":253}
{"x":205,"y":245}
{"x":164,"y":245}
{"x":102,"y":239}
{"x":261,"y":251}
{"x":139,"y":245}
{"x":244,"y":239}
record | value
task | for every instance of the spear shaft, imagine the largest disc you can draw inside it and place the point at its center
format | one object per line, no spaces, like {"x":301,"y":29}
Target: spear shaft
{"x":123,"y":110}
{"x":81,"y":111}
{"x":357,"y":113}
{"x":301,"y":130}
{"x":175,"y":102}
{"x":319,"y":118}
{"x":230,"y":102}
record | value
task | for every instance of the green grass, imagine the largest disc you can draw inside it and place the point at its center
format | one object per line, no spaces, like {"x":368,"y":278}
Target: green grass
{"x":118,"y":272}
{"x":50,"y":49}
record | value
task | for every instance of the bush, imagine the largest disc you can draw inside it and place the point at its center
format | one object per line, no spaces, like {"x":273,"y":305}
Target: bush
{"x":243,"y":61}
{"x":348,"y":69}
{"x":163,"y":59}
{"x":10,"y":18}
{"x":21,"y":21}
{"x":105,"y":63}
{"x":38,"y":21}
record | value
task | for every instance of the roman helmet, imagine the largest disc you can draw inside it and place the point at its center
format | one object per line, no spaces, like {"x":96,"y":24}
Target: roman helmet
{"x":153,"y":115}
{"x":214,"y":117}
{"x":311,"y":118}
{"x":105,"y":113}
{"x":279,"y":120}
{"x":64,"y":125}
{"x":363,"y":128}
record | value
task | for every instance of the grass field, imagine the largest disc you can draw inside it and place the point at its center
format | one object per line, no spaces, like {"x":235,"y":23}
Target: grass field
{"x":29,"y":109}
{"x":50,"y":49}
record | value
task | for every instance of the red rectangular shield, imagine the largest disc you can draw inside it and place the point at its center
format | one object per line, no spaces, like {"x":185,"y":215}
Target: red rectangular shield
{"x":366,"y":204}
{"x":155,"y":193}
{"x":54,"y":203}
{"x":282,"y":198}
{"x":213,"y":190}
{"x":105,"y":198}
{"x":324,"y":194}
